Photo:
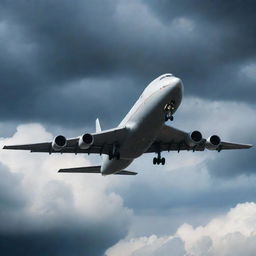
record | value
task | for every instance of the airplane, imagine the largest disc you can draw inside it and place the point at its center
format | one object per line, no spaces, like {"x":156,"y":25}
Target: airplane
{"x":143,"y":130}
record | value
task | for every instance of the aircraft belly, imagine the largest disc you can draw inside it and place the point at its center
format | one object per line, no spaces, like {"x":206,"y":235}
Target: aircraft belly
{"x":114,"y":165}
{"x":146,"y":123}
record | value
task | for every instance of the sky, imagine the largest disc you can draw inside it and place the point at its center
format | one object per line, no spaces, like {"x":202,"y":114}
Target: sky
{"x":65,"y":63}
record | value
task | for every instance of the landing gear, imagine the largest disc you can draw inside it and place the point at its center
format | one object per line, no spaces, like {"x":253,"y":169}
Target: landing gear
{"x":159,"y":160}
{"x":169,"y":110}
{"x":114,"y":154}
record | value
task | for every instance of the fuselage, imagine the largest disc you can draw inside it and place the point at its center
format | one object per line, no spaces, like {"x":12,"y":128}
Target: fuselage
{"x":145,"y":120}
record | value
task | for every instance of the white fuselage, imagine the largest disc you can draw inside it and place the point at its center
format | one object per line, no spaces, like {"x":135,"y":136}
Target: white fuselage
{"x":145,"y":120}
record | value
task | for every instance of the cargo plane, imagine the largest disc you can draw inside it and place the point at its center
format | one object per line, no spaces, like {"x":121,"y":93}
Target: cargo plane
{"x":143,"y":130}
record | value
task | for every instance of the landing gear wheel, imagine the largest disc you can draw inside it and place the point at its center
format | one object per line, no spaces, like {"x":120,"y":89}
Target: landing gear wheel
{"x":168,"y":116}
{"x":169,"y":110}
{"x":163,"y":161}
{"x":154,"y":160}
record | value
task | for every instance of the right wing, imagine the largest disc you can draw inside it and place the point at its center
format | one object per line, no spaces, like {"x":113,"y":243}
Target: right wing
{"x":173,"y":139}
{"x":229,"y":145}
{"x":103,"y":143}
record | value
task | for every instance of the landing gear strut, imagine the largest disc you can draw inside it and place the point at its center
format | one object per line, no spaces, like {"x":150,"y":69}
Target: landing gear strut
{"x":115,"y":154}
{"x":169,"y":110}
{"x":159,"y":160}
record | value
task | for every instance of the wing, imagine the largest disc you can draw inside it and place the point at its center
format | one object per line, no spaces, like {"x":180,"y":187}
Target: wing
{"x":172,"y":139}
{"x":229,"y":145}
{"x":103,"y":143}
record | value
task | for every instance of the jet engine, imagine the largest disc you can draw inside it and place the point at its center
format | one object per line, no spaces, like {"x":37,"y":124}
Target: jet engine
{"x":85,"y":141}
{"x":194,"y":138}
{"x":59,"y":143}
{"x":213,"y":142}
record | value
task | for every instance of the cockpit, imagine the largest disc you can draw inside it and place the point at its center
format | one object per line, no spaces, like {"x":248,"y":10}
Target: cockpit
{"x":165,"y":76}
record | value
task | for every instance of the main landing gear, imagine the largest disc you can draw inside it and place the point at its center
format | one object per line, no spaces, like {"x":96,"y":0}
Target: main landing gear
{"x":114,"y":154}
{"x":159,"y":160}
{"x":169,"y":110}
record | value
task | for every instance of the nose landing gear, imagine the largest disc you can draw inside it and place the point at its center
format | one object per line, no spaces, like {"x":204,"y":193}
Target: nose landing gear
{"x":159,"y":160}
{"x":169,"y":110}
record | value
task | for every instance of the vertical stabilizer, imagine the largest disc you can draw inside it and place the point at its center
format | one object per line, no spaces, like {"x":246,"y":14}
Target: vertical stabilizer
{"x":98,"y":127}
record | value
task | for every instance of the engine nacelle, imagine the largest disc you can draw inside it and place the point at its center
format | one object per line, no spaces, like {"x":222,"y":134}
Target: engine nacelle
{"x":59,"y":143}
{"x":213,"y":142}
{"x":85,"y":141}
{"x":194,"y":138}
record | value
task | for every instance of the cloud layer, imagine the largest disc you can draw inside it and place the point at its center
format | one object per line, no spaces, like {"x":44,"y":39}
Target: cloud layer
{"x":64,"y":63}
{"x":44,"y":212}
{"x":230,"y":234}
{"x":78,"y":56}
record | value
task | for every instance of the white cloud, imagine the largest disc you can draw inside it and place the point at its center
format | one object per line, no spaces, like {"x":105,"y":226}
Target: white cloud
{"x":183,"y":24}
{"x":249,"y":71}
{"x":230,"y":234}
{"x":53,"y":196}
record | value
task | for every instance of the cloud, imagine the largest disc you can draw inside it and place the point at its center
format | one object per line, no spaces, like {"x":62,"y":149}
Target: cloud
{"x":230,"y":234}
{"x":65,"y":63}
{"x":249,"y":71}
{"x":123,"y":44}
{"x":45,"y":212}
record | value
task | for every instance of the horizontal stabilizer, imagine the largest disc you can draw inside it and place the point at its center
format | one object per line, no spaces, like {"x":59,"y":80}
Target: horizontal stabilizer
{"x":124,"y":172}
{"x":89,"y":169}
{"x":93,"y":169}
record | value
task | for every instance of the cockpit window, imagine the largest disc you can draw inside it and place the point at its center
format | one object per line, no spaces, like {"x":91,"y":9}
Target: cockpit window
{"x":169,"y":75}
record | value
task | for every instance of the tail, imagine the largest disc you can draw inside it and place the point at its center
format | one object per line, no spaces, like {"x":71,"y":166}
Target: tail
{"x":98,"y":127}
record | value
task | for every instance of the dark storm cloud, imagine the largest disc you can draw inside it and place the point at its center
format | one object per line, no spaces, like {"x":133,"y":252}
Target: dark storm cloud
{"x":193,"y":187}
{"x":234,"y":164}
{"x":51,"y":44}
{"x":44,"y":233}
{"x":62,"y":241}
{"x":58,"y":241}
{"x":10,"y":199}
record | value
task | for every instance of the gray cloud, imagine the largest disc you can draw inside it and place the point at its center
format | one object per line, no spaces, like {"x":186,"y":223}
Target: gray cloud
{"x":46,"y":213}
{"x":52,"y":45}
{"x":64,"y":64}
{"x":66,"y":233}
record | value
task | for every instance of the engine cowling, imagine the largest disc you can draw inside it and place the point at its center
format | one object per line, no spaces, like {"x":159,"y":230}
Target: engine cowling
{"x":59,"y":143}
{"x":213,"y":142}
{"x":85,"y":141}
{"x":194,"y":138}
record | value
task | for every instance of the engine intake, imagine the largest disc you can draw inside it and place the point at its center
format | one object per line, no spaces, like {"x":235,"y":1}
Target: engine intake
{"x":213,"y":142}
{"x":194,"y":138}
{"x":59,"y":143}
{"x":85,"y":141}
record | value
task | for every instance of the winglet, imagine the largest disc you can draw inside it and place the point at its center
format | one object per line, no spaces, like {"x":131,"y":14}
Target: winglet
{"x":98,"y":127}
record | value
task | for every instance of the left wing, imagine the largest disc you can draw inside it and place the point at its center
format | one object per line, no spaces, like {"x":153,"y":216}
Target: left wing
{"x":172,"y":139}
{"x":103,"y":143}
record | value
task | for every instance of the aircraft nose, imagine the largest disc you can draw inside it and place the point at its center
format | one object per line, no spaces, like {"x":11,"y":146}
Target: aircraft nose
{"x":176,"y":86}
